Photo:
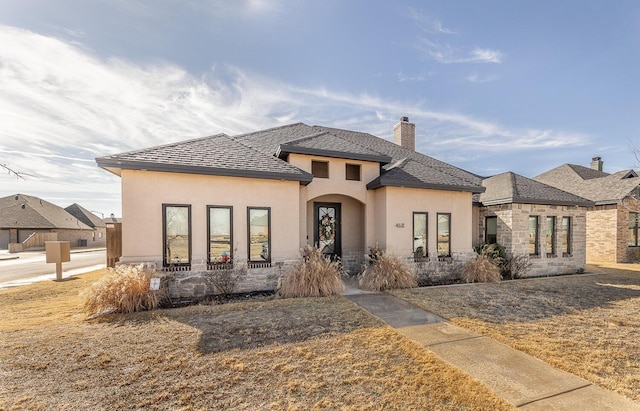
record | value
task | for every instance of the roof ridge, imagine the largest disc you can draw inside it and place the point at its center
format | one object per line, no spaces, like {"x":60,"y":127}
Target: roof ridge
{"x":175,"y":143}
{"x":271,"y":129}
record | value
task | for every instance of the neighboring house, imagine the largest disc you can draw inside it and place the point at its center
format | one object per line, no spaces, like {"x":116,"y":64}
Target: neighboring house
{"x":26,"y":222}
{"x":98,"y":238}
{"x":612,"y":223}
{"x":531,"y":218}
{"x":257,"y":198}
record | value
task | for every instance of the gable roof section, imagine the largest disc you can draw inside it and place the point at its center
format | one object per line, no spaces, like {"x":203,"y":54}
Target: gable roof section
{"x":329,"y":145}
{"x":36,"y":214}
{"x":433,"y":173}
{"x":600,"y":187}
{"x":510,"y":187}
{"x":85,"y":215}
{"x":215,"y":155}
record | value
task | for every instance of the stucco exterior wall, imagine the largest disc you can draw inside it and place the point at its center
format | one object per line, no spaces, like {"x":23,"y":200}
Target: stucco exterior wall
{"x":398,"y":225}
{"x":513,"y":234}
{"x":144,"y":192}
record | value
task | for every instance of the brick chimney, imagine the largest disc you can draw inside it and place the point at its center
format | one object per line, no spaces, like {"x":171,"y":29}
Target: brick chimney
{"x":404,"y":134}
{"x":596,"y":163}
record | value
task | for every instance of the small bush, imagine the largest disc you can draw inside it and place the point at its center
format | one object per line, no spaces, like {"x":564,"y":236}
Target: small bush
{"x":480,"y":270}
{"x":224,"y":281}
{"x":124,"y":289}
{"x":315,"y":276}
{"x":516,"y":266}
{"x":384,"y":272}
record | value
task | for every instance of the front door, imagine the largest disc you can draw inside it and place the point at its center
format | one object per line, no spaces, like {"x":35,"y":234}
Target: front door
{"x":327,"y":235}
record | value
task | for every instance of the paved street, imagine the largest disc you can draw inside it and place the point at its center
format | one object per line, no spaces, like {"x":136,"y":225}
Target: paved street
{"x":31,"y":266}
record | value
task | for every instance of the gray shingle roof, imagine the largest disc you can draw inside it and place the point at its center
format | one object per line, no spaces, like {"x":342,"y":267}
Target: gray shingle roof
{"x":513,"y":188}
{"x":597,"y":186}
{"x":36,"y":214}
{"x":463,"y":179}
{"x":216,"y":155}
{"x":329,"y":145}
{"x":255,"y":155}
{"x":84,"y":215}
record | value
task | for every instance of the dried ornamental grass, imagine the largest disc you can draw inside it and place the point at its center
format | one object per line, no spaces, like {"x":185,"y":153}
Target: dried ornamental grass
{"x":315,"y":276}
{"x":480,"y":270}
{"x":385,"y":272}
{"x":124,"y":289}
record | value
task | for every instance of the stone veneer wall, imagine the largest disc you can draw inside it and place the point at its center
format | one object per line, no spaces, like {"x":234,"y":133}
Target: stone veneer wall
{"x":607,"y":235}
{"x":513,"y":234}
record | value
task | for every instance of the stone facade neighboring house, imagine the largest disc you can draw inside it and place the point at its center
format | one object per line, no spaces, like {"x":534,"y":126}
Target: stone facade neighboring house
{"x":533,"y":219}
{"x":256,"y":199}
{"x":612,"y":222}
{"x":27,"y":221}
{"x":99,"y":236}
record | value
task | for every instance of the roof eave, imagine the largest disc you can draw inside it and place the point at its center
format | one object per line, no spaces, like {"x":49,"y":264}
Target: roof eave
{"x":376,"y":184}
{"x":285,"y":149}
{"x":108,"y":164}
{"x":518,"y":200}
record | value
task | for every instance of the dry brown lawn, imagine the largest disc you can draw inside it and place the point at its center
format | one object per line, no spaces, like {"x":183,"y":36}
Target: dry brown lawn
{"x":588,"y":325}
{"x":316,"y":353}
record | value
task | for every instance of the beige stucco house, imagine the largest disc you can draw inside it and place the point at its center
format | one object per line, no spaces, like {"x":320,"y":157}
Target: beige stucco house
{"x":194,"y":206}
{"x":533,"y":219}
{"x":612,"y":222}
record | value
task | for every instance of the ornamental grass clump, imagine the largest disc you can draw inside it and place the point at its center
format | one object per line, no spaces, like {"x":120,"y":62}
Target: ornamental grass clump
{"x":480,"y":270}
{"x":385,"y":272}
{"x":125,"y":289}
{"x":314,"y":276}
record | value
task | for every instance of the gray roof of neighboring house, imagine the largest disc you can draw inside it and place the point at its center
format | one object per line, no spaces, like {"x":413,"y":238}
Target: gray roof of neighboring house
{"x":85,"y":215}
{"x":513,"y":188}
{"x":262,"y":154}
{"x":27,"y":212}
{"x":597,"y":186}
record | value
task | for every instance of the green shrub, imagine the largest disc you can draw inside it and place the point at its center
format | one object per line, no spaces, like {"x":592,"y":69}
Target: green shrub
{"x":384,"y":272}
{"x":315,"y":276}
{"x":124,"y":289}
{"x":480,"y":270}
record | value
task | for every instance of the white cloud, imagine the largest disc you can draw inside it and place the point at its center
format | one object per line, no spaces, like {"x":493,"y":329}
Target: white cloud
{"x":427,"y":23}
{"x":447,"y":54}
{"x":475,"y":78}
{"x":61,"y":107}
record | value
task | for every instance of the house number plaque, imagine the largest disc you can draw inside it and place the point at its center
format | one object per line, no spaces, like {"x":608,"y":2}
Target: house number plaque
{"x":399,"y":225}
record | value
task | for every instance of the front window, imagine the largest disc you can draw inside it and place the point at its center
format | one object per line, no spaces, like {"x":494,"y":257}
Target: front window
{"x":444,"y":235}
{"x":320,"y":169}
{"x":633,"y":229}
{"x":352,"y":172}
{"x":259,"y":223}
{"x":491,"y":230}
{"x":420,"y":235}
{"x":177,"y":234}
{"x":219,"y":220}
{"x":533,"y":235}
{"x":566,"y":236}
{"x":550,"y":238}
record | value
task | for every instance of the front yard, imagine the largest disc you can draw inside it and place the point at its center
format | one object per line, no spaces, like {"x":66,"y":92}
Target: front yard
{"x":588,"y":325}
{"x":322,"y":353}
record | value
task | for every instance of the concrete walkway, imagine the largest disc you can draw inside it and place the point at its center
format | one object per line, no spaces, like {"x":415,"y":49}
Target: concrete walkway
{"x":524,"y":381}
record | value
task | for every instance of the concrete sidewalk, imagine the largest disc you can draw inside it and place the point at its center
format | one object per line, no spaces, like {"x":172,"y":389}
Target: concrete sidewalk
{"x":524,"y":381}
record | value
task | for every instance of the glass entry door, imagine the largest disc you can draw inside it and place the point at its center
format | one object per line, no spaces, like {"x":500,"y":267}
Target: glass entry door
{"x":327,"y":235}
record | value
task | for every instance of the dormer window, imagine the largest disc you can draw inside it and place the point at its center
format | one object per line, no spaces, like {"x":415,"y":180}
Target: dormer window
{"x":353,"y":172}
{"x":320,"y":169}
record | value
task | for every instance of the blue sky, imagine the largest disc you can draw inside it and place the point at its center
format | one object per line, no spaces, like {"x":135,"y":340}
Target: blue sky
{"x":491,"y":85}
